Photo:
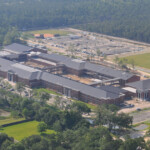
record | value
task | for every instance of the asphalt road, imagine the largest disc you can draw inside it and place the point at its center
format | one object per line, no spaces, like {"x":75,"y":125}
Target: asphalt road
{"x":141,"y":116}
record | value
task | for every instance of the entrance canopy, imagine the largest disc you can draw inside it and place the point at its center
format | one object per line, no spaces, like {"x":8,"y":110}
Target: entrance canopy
{"x":130,"y":89}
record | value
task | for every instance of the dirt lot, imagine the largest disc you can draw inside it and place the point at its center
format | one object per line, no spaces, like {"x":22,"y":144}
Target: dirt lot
{"x":81,"y":79}
{"x":4,"y":113}
{"x":137,"y":104}
{"x":32,"y":64}
{"x":87,"y":43}
{"x":138,"y":116}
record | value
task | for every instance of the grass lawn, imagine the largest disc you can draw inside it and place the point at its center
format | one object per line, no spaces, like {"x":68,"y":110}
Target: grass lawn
{"x":93,"y":107}
{"x":40,"y":90}
{"x":9,"y":120}
{"x":50,"y":31}
{"x":141,"y":60}
{"x":23,"y":130}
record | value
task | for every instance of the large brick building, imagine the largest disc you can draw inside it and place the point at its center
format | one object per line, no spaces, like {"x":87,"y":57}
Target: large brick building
{"x":16,"y":71}
{"x":141,"y":89}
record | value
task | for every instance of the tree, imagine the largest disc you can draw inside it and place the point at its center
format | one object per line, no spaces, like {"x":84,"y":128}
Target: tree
{"x":107,"y":115}
{"x":16,"y":146}
{"x":116,"y":60}
{"x":98,"y":52}
{"x":42,"y":127}
{"x":132,"y":63}
{"x":124,"y":120}
{"x":133,"y":144}
{"x":19,"y":87}
{"x":28,"y":113}
{"x":31,"y":140}
{"x":72,"y":50}
{"x":3,"y":138}
{"x":11,"y":36}
{"x":6,"y":144}
{"x":81,"y":107}
{"x":57,"y":101}
{"x":44,"y":97}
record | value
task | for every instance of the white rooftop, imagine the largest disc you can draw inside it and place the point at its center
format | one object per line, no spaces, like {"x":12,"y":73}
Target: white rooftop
{"x":130,"y":89}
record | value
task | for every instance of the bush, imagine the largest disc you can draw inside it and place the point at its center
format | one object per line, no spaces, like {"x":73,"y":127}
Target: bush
{"x":42,"y":127}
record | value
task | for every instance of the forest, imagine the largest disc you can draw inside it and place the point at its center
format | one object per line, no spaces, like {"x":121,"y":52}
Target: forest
{"x":72,"y":130}
{"x":122,"y":18}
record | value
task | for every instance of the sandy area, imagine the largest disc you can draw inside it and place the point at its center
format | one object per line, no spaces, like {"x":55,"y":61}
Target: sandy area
{"x":77,"y":78}
{"x":137,"y":104}
{"x":32,"y":64}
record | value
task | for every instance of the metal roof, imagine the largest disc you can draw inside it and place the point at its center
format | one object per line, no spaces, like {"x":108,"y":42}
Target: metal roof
{"x":21,"y":70}
{"x":54,"y":57}
{"x":80,"y":65}
{"x":30,"y":73}
{"x":113,"y":89}
{"x":108,"y":71}
{"x":77,"y":86}
{"x":140,"y":85}
{"x":26,"y":72}
{"x":17,"y":48}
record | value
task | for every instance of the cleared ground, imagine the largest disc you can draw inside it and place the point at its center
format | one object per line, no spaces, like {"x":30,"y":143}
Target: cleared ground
{"x":80,"y":79}
{"x":4,"y":113}
{"x":137,"y":104}
{"x":23,"y":130}
{"x":49,"y":31}
{"x":141,"y":60}
{"x":32,"y":64}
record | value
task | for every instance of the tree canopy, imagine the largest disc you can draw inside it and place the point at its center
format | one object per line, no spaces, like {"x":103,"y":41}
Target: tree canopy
{"x":123,"y":18}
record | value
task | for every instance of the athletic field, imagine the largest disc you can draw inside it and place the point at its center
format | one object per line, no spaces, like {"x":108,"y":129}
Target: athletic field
{"x":23,"y":130}
{"x":141,"y":60}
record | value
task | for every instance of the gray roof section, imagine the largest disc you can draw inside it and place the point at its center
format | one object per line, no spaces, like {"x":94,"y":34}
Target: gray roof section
{"x":54,"y":57}
{"x":75,"y":64}
{"x":26,"y":72}
{"x":71,"y":63}
{"x":5,"y":65}
{"x":113,"y":89}
{"x":142,"y":85}
{"x":21,"y":70}
{"x":86,"y":89}
{"x":17,"y":48}
{"x":108,"y":71}
{"x":80,"y":65}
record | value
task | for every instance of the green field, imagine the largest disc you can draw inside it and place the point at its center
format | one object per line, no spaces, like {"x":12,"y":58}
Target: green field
{"x":40,"y":90}
{"x":23,"y":130}
{"x":141,"y":60}
{"x":10,"y":120}
{"x":60,"y":32}
{"x":91,"y":106}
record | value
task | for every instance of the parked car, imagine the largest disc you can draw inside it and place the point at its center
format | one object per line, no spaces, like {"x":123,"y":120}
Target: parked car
{"x":138,"y":109}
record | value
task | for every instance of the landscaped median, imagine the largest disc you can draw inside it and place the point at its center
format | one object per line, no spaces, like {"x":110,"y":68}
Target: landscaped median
{"x":23,"y":130}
